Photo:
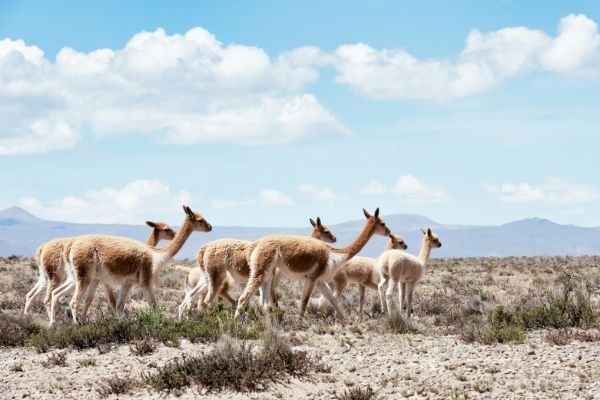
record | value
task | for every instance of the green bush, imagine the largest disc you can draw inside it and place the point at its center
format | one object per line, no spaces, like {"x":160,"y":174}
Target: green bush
{"x":146,"y":324}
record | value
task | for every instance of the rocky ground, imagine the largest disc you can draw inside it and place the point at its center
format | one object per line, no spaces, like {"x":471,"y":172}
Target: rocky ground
{"x":436,"y":363}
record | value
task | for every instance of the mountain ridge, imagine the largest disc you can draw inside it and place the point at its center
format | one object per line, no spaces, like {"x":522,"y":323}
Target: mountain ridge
{"x":22,"y":232}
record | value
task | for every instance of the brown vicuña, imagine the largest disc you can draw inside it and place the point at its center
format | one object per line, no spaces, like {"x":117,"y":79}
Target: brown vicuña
{"x":303,"y":258}
{"x":121,"y":263}
{"x":223,"y":263}
{"x":401,"y":271}
{"x":361,"y":271}
{"x":51,"y":264}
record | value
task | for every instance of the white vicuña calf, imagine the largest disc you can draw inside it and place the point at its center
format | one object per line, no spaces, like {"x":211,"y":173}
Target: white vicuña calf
{"x":401,"y":271}
{"x":361,"y":271}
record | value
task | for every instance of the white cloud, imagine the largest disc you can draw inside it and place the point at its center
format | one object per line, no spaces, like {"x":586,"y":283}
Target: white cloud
{"x":228,"y":203}
{"x":374,"y":187}
{"x":550,"y":191}
{"x":136,"y":201}
{"x":486,"y":61}
{"x":179,"y":89}
{"x":266,"y":197}
{"x":272,"y":197}
{"x":576,"y":49}
{"x":322,"y":194}
{"x":414,"y":191}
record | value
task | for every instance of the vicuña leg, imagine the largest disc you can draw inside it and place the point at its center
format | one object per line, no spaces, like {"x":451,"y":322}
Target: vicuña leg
{"x":389,"y":295}
{"x":308,"y":289}
{"x":402,"y":296}
{"x":81,"y":288}
{"x":89,"y":297}
{"x":410,"y":287}
{"x":361,"y":299}
{"x":383,"y":283}
{"x":149,"y":295}
{"x":57,"y":294}
{"x":326,"y":292}
{"x":34,"y":292}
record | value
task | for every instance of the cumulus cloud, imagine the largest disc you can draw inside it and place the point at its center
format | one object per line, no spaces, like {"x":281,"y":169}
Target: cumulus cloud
{"x":550,"y":191}
{"x":272,"y":197}
{"x":179,"y":89}
{"x":321,"y":194}
{"x":266,"y":197}
{"x":414,"y":191}
{"x":133,"y":203}
{"x":374,"y":187}
{"x":486,"y":61}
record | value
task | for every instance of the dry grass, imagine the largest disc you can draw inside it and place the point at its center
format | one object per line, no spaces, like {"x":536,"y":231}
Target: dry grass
{"x":480,"y":300}
{"x":235,"y":366}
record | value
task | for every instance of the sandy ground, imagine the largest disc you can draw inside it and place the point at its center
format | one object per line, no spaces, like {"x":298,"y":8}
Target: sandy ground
{"x":397,"y":366}
{"x":361,"y":353}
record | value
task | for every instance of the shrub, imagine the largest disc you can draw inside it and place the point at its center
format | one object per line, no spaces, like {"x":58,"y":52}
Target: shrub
{"x":397,"y":324}
{"x":87,"y":362}
{"x":16,"y":367}
{"x":561,"y":337}
{"x":142,"y":347}
{"x":58,"y":359}
{"x":358,"y":393}
{"x":115,"y":385}
{"x":486,"y":333}
{"x":233,"y":366}
{"x":145,"y":325}
{"x":14,"y":331}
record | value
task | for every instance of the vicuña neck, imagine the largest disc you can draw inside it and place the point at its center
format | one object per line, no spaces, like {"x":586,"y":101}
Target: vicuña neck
{"x":389,"y":245}
{"x":179,"y":240}
{"x":152,"y":239}
{"x":353,"y":248}
{"x":425,"y":250}
{"x":315,"y":234}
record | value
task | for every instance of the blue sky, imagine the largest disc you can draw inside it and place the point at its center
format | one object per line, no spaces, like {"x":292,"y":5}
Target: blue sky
{"x":267,"y":113}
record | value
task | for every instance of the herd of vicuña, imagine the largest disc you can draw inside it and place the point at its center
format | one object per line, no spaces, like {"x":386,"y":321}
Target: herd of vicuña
{"x":78,"y":264}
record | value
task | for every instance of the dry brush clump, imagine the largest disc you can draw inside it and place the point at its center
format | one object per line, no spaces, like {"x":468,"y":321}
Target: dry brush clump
{"x":358,"y":393}
{"x":235,"y":366}
{"x":569,"y":303}
{"x":562,"y":337}
{"x":115,"y":385}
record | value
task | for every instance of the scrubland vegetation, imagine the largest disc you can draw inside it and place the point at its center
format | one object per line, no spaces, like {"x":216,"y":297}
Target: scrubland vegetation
{"x":495,"y":305}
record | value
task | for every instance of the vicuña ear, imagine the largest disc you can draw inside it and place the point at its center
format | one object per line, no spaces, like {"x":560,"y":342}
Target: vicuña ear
{"x":313,"y":223}
{"x":366,"y":213}
{"x":188,"y":211}
{"x":429,"y":232}
{"x":151,"y":224}
{"x":319,"y":223}
{"x":423,"y":230}
{"x":377,"y":213}
{"x":391,"y":236}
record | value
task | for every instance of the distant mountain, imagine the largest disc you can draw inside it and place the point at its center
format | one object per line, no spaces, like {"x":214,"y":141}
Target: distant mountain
{"x":21,"y":233}
{"x":16,"y":215}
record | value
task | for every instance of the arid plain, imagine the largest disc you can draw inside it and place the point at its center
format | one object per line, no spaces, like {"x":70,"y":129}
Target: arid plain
{"x":481,"y":328}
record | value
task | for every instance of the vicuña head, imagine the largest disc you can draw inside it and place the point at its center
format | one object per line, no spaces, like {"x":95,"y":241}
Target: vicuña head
{"x":380,"y":227}
{"x":431,"y":238}
{"x":321,"y":231}
{"x":160,"y":231}
{"x":396,"y":242}
{"x":197,"y":220}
